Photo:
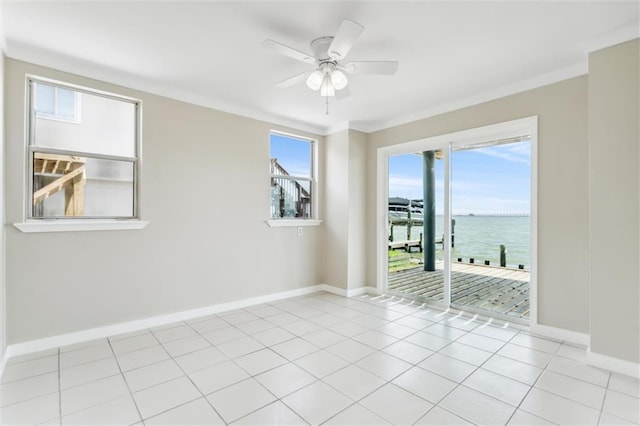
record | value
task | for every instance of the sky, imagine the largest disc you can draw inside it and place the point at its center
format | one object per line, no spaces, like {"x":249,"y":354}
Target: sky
{"x":490,"y":180}
{"x":294,"y":155}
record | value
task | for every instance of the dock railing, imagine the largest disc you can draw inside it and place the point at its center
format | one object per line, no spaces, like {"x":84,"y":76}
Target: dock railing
{"x":293,"y":199}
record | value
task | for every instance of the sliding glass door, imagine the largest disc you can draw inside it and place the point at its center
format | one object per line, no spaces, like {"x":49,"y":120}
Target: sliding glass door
{"x":457,"y":219}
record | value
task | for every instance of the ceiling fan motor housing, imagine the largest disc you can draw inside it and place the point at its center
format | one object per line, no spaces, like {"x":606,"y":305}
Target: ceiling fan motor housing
{"x":320,"y":49}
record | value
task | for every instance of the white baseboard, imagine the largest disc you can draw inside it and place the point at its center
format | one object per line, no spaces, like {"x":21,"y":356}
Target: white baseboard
{"x":3,"y":361}
{"x":613,"y":364}
{"x":130,"y":326}
{"x":348,"y":293}
{"x":560,"y":334}
{"x":363,"y":290}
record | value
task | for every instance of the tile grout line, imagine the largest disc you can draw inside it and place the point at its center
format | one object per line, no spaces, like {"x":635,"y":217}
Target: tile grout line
{"x":524,"y":398}
{"x":531,"y":386}
{"x":165,"y":381}
{"x":268,"y":390}
{"x":250,"y":375}
{"x":187,"y":375}
{"x":135,"y":404}
{"x":59,"y":392}
{"x":59,"y":389}
{"x":387,"y":382}
{"x":477,"y":367}
{"x":460,"y":383}
{"x":317,"y":379}
{"x":34,"y":376}
{"x":604,"y":400}
{"x":493,"y":353}
{"x":536,"y":381}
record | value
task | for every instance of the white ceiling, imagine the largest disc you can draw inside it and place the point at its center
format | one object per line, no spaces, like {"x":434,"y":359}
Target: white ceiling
{"x":451,"y":54}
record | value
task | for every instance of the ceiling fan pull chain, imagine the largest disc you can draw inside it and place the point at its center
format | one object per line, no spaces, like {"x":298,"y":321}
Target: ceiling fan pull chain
{"x":326,"y":100}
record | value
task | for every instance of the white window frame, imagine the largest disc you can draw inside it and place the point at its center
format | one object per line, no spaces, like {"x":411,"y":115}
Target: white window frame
{"x":297,"y":222}
{"x":61,"y":224}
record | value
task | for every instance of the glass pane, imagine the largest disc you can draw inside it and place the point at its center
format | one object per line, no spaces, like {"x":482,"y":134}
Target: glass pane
{"x":290,"y":156}
{"x":45,"y":99}
{"x":66,"y":103}
{"x":416,"y":231}
{"x":490,"y":203}
{"x":107,"y":126}
{"x":290,"y":198}
{"x":68,"y":186}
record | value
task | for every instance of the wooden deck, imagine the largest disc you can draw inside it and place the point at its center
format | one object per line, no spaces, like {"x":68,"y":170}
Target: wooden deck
{"x":500,"y":290}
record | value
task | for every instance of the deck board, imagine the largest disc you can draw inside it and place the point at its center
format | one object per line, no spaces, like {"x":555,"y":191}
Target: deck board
{"x":500,"y":290}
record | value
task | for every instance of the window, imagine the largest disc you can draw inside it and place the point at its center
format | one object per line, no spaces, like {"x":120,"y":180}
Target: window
{"x":57,"y":103}
{"x":292,"y":176}
{"x":81,"y":169}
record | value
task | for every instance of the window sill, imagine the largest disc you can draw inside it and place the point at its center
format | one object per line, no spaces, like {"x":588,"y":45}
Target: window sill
{"x":276,"y":223}
{"x":79,"y":225}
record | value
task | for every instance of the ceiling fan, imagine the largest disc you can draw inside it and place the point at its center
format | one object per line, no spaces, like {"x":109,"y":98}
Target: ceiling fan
{"x":329,"y":53}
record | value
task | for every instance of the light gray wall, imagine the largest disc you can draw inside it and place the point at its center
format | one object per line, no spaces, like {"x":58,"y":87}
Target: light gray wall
{"x":205,"y":190}
{"x":335,"y":205}
{"x":345,"y":209}
{"x":563,"y":291}
{"x":357,"y":249}
{"x":614,"y":199}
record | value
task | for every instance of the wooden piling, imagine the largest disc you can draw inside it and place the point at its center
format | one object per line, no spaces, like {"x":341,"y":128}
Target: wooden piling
{"x":429,"y":210}
{"x":453,"y":231}
{"x":503,"y":256}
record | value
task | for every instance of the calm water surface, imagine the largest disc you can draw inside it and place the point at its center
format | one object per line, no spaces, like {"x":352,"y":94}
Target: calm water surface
{"x":480,"y":237}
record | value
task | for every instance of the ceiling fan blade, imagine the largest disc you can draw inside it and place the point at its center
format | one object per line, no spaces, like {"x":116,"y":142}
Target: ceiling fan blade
{"x":343,"y":41}
{"x":372,"y":67}
{"x":288,"y":51}
{"x":292,"y":81}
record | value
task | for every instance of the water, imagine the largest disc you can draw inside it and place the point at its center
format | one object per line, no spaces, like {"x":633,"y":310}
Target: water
{"x":480,"y":237}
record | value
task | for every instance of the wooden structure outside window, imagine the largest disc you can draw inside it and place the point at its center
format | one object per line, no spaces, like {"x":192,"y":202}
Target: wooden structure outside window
{"x":69,"y":173}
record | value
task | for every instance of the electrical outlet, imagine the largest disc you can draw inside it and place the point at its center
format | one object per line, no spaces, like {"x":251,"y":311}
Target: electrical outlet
{"x":300,"y":231}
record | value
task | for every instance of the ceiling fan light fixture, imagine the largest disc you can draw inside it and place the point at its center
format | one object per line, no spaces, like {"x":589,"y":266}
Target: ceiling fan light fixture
{"x":338,"y":80}
{"x":314,"y":82}
{"x":327,"y":88}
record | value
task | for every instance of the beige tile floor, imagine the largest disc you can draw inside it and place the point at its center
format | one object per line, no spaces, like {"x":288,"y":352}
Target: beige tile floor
{"x":318,"y":359}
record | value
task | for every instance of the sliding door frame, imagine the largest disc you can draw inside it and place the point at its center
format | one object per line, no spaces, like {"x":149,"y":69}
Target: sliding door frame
{"x":510,"y":129}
